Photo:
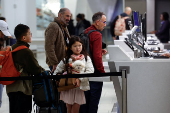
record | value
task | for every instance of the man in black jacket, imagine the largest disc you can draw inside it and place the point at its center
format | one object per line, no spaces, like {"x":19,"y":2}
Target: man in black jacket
{"x":125,"y":14}
{"x":86,"y":22}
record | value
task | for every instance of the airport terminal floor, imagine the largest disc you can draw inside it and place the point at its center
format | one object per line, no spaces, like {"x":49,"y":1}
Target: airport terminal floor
{"x":108,"y":97}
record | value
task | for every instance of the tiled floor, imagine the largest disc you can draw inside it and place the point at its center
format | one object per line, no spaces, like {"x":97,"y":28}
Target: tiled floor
{"x":108,"y":97}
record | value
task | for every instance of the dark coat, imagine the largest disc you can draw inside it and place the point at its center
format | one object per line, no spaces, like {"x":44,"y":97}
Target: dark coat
{"x":86,"y":23}
{"x":71,"y":27}
{"x":163,"y":32}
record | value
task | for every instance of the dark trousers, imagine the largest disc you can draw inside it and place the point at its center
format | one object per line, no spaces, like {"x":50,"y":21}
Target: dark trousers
{"x":62,"y":105}
{"x":19,"y":102}
{"x":92,"y":98}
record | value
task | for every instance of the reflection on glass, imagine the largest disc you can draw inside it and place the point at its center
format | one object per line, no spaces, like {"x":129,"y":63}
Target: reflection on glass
{"x":46,"y":11}
{"x":0,"y":8}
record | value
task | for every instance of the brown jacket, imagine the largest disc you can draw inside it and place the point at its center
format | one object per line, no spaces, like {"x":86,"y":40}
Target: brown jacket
{"x":55,"y":45}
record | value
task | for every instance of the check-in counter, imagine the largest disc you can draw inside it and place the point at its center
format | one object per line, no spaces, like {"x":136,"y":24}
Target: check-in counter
{"x":147,"y":44}
{"x":148,"y":81}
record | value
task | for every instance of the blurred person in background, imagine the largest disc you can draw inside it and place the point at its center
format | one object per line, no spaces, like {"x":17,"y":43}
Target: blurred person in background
{"x":86,"y":22}
{"x":6,"y":38}
{"x":126,"y":13}
{"x":71,"y":27}
{"x":80,"y":25}
{"x":3,"y":32}
{"x":163,"y":33}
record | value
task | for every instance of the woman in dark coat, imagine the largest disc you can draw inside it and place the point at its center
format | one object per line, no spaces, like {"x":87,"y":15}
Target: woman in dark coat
{"x":163,"y":32}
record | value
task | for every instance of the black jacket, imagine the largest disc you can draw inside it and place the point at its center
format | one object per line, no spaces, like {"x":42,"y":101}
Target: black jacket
{"x":86,"y":23}
{"x":163,"y":32}
{"x":71,"y":28}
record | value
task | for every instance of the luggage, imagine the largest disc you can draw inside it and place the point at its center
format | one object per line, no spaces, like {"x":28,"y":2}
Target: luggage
{"x":85,"y":38}
{"x":45,"y":94}
{"x":86,"y":41}
{"x":47,"y":110}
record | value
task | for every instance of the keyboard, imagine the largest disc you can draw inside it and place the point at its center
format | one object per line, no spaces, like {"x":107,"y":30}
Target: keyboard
{"x":152,"y":43}
{"x":160,"y":57}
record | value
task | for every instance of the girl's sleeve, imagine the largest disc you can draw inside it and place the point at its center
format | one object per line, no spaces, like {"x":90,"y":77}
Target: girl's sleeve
{"x":60,"y":67}
{"x":89,"y":66}
{"x":88,"y":69}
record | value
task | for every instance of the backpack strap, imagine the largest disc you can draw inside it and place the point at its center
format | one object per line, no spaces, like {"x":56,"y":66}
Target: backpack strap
{"x":90,"y":32}
{"x":19,"y":48}
{"x":83,"y":32}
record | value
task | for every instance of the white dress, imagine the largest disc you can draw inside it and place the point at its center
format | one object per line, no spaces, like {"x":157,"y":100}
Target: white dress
{"x":76,"y":95}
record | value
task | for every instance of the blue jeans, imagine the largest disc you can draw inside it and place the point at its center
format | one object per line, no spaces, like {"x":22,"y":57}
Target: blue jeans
{"x":1,"y":90}
{"x":92,"y":98}
{"x":118,"y":110}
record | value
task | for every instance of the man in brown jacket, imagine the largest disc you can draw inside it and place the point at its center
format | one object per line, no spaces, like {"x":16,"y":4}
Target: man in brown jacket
{"x":57,"y":38}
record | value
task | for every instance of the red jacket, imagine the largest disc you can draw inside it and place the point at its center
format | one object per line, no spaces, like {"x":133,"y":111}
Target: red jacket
{"x":96,"y":48}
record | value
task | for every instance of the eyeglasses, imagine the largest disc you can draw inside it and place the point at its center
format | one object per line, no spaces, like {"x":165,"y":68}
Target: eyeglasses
{"x":30,"y":34}
{"x":103,"y":22}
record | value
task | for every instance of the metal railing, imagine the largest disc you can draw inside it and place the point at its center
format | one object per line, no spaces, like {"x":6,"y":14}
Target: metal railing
{"x":123,"y":74}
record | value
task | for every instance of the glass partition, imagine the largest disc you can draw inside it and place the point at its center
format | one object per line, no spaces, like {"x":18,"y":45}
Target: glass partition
{"x":46,"y":10}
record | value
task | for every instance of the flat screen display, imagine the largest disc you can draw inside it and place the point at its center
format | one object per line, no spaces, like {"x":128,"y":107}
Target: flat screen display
{"x":136,"y":20}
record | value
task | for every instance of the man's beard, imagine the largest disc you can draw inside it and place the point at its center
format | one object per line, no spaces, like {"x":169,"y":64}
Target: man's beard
{"x":64,"y":21}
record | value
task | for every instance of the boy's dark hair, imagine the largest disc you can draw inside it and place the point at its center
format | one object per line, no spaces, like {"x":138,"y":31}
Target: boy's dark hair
{"x":2,"y":18}
{"x":20,"y":31}
{"x":97,"y":16}
{"x":165,"y":16}
{"x":70,"y":52}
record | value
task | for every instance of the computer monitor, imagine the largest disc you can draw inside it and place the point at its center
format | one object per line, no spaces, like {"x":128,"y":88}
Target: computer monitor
{"x":135,"y":16}
{"x":144,"y":27}
{"x":140,"y":21}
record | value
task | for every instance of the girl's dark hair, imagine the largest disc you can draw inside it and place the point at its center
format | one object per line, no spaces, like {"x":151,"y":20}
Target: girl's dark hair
{"x":70,"y":52}
{"x":165,"y":16}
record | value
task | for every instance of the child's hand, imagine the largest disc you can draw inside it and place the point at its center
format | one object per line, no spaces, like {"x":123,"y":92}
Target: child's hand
{"x":65,"y":73}
{"x":77,"y":82}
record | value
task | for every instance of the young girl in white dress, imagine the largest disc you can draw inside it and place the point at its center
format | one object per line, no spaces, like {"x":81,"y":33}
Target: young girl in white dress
{"x":75,"y":97}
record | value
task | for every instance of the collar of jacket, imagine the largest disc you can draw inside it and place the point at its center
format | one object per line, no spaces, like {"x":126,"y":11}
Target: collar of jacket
{"x":22,"y":43}
{"x":96,"y":29}
{"x":59,"y":22}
